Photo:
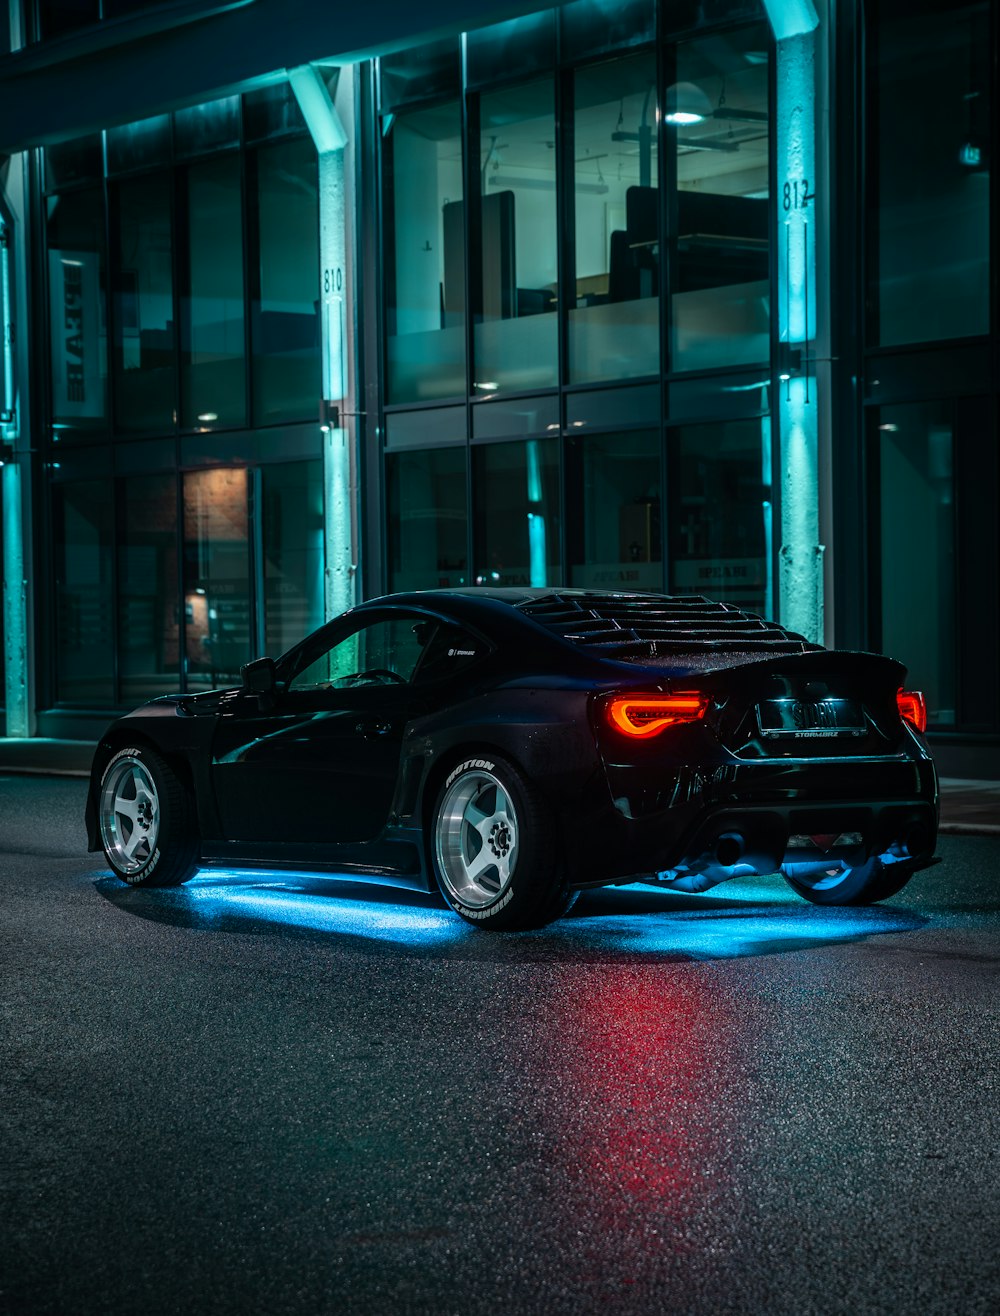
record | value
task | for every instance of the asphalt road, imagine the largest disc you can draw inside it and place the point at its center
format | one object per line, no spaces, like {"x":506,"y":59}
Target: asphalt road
{"x":283,"y":1095}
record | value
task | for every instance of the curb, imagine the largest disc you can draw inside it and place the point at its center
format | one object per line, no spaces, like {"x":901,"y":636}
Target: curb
{"x":968,"y":829}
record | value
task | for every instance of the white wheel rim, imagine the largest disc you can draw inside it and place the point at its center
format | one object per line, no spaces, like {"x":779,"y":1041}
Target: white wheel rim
{"x":129,"y":814}
{"x":476,"y":839}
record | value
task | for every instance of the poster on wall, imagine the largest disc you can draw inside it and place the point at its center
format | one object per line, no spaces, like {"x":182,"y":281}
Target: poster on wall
{"x":75,"y":319}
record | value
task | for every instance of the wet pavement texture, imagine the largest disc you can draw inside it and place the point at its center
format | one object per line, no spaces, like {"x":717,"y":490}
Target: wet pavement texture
{"x":281,"y":1094}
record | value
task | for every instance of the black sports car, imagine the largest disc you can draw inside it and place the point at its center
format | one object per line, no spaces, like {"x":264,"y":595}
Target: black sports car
{"x":513,"y":746}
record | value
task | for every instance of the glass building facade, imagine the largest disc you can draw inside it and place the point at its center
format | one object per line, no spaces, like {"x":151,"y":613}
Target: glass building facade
{"x":563,"y":243}
{"x":577,"y":258}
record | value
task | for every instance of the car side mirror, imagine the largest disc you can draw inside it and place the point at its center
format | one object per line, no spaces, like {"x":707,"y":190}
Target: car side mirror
{"x":259,"y":677}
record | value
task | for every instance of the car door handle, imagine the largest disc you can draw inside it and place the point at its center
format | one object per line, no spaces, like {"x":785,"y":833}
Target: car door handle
{"x":372,"y":727}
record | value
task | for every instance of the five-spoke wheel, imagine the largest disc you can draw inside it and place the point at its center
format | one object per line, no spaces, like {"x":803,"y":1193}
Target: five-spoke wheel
{"x":129,"y":813}
{"x":476,"y":838}
{"x":146,"y":819}
{"x":494,"y":848}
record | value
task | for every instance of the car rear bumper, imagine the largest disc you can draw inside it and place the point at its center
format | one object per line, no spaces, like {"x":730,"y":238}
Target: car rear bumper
{"x":849,"y":809}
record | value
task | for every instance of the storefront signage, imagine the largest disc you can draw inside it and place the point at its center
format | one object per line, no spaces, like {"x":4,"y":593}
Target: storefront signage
{"x":74,"y":307}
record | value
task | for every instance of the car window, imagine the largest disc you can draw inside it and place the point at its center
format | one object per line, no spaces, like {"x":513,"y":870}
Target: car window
{"x":382,"y":653}
{"x":449,"y":650}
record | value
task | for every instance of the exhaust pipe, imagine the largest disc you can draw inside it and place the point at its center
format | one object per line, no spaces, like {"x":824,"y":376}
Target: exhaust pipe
{"x":729,"y":849}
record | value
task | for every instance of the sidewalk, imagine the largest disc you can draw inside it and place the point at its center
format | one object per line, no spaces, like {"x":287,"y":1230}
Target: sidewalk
{"x":968,"y":806}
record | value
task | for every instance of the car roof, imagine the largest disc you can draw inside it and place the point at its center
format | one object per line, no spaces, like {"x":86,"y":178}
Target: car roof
{"x":616,"y":624}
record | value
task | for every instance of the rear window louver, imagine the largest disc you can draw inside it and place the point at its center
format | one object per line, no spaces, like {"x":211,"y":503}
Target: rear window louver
{"x":630,"y":626}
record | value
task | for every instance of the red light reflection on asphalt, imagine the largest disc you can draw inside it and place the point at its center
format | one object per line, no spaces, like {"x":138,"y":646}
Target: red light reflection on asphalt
{"x":646,"y":1147}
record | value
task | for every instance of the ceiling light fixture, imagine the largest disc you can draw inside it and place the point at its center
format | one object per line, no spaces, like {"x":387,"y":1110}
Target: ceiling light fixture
{"x":686,"y":104}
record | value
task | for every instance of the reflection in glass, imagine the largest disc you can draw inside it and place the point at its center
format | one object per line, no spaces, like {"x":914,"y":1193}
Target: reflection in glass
{"x":293,"y":552}
{"x":209,"y":127}
{"x":526,"y":44}
{"x":145,"y":359}
{"x":614,"y":325}
{"x":216,"y":577}
{"x":419,"y":73}
{"x":141,"y":145}
{"x":74,"y":234}
{"x":717,"y":121}
{"x":74,"y":161}
{"x":83,"y":521}
{"x":147,"y":604}
{"x":932,"y":123}
{"x":516,"y":517}
{"x":57,"y":17}
{"x":720,"y":502}
{"x":285,"y":323}
{"x":917,"y":533}
{"x":515,"y":336}
{"x":424,"y":254}
{"x":591,"y":27}
{"x":427,"y":519}
{"x":213,"y":363}
{"x":614,"y":484}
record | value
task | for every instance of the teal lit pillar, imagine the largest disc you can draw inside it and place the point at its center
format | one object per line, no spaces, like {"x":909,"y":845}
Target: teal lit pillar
{"x":311,"y":85}
{"x":801,"y":396}
{"x":17,"y":700}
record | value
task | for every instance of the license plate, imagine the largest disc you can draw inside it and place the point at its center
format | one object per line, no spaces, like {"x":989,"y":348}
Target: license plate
{"x":803,"y":717}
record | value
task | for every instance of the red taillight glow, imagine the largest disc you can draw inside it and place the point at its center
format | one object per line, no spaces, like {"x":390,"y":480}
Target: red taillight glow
{"x":646,"y":715}
{"x":912,"y":708}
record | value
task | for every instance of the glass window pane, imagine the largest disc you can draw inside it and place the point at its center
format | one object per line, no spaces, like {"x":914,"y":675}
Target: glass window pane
{"x":362,"y":658}
{"x":286,"y":361}
{"x":271,"y":112}
{"x":682,"y":15}
{"x":614,"y":324}
{"x":57,"y":17}
{"x":591,"y":27}
{"x":216,"y":577}
{"x":932,"y":126}
{"x":148,"y":602}
{"x":427,"y":519}
{"x":515,"y":338}
{"x":516,"y":499}
{"x":145,"y":358}
{"x":717,"y":121}
{"x":293,"y":552}
{"x":213,"y":360}
{"x":209,"y":127}
{"x":720,"y":504}
{"x":83,"y":520}
{"x":420,"y":73}
{"x":141,"y":145}
{"x":77,"y":161}
{"x":74,"y":235}
{"x":917,"y":533}
{"x":526,"y":44}
{"x":614,"y":487}
{"x":424,"y":254}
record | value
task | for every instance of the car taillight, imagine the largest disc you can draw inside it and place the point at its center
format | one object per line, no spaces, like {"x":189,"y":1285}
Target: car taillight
{"x":647,"y":715}
{"x":912,"y":708}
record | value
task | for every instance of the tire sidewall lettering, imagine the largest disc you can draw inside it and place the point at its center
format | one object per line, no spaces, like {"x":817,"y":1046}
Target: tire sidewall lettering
{"x":490,"y":910}
{"x":470,"y":765}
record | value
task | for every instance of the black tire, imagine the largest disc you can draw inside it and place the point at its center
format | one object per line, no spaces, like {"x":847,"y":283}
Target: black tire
{"x":146,"y":818}
{"x":494,"y":850}
{"x":863,"y":885}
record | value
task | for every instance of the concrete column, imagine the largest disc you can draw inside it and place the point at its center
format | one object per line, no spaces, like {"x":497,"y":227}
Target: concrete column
{"x":15,"y":474}
{"x":324,"y":114}
{"x":802,"y":393}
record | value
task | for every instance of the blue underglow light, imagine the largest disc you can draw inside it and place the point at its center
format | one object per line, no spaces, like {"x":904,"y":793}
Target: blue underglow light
{"x":638,"y":919}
